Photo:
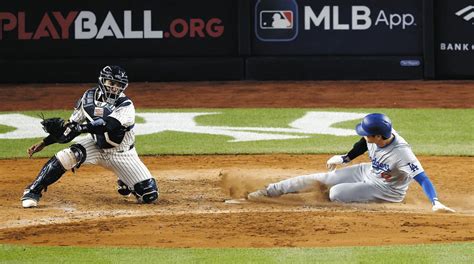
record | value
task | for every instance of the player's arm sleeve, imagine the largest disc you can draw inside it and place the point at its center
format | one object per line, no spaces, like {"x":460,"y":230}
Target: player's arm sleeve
{"x":409,"y":164}
{"x":412,"y":168}
{"x":427,"y":186}
{"x":99,"y":126}
{"x":49,"y":140}
{"x":359,"y":148}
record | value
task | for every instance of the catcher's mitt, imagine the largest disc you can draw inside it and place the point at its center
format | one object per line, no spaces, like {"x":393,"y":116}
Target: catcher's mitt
{"x":59,"y":130}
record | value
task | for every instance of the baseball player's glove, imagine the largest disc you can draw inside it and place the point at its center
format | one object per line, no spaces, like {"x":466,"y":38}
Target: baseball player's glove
{"x":59,"y":130}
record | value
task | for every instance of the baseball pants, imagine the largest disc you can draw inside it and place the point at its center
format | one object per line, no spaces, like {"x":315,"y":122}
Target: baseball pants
{"x":125,"y":164}
{"x":349,"y":184}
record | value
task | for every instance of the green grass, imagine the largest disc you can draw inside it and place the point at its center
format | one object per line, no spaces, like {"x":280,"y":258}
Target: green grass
{"x":429,"y":131}
{"x":434,"y":253}
{"x":5,"y":129}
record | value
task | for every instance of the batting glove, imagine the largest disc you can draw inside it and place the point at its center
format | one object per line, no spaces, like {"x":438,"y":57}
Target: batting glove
{"x":441,"y":208}
{"x":336,"y":160}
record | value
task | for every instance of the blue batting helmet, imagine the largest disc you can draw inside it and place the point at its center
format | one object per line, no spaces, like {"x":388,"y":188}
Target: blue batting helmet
{"x":375,"y":124}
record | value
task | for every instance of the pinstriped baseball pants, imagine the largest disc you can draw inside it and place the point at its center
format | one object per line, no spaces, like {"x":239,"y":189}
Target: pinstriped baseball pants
{"x":126,"y":165}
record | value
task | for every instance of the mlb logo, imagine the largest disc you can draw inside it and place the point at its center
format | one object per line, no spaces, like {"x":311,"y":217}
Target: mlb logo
{"x":276,"y":19}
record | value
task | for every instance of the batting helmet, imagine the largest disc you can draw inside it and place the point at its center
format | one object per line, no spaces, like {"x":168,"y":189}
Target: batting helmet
{"x":375,"y":124}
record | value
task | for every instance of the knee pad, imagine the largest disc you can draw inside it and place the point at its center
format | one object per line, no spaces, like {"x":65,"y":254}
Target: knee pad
{"x":146,"y":191}
{"x":72,"y":157}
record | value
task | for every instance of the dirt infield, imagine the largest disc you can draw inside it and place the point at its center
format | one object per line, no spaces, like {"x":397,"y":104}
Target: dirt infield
{"x":349,"y":94}
{"x":84,"y":208}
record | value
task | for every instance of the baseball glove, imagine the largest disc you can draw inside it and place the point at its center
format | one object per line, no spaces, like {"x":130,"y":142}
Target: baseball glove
{"x":59,"y":130}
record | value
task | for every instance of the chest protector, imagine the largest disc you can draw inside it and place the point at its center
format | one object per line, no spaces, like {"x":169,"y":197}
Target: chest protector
{"x":95,"y":109}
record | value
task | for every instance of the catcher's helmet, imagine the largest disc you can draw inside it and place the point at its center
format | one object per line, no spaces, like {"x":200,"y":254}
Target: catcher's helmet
{"x":113,"y":81}
{"x":375,"y":124}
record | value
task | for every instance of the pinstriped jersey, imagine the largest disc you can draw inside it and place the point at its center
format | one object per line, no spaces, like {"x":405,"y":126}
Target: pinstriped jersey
{"x":393,"y":166}
{"x":89,"y":108}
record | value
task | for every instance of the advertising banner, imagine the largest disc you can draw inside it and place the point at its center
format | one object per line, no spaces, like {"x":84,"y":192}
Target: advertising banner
{"x":454,"y":38}
{"x":337,"y":27}
{"x":48,"y":29}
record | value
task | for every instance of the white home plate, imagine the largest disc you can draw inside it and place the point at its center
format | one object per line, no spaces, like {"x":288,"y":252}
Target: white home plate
{"x":236,"y":201}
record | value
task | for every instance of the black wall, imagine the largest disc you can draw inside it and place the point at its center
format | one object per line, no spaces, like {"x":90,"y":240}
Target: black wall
{"x":454,"y":43}
{"x":337,"y":39}
{"x":180,"y":40}
{"x":63,"y":41}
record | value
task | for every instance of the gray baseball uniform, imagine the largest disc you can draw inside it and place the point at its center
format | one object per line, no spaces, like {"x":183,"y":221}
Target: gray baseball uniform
{"x":386,"y":178}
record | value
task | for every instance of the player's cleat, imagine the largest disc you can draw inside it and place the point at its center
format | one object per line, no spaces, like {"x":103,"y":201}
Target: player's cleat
{"x":257,"y":194}
{"x":30,"y":199}
{"x":123,"y":189}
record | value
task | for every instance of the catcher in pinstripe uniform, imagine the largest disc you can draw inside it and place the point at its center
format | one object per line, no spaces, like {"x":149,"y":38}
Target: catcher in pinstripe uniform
{"x":108,"y":116}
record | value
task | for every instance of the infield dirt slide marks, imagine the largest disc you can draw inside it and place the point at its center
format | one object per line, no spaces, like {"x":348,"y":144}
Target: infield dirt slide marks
{"x":193,"y":194}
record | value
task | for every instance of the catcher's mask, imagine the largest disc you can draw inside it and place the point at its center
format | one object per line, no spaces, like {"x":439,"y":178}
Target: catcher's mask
{"x":113,"y":81}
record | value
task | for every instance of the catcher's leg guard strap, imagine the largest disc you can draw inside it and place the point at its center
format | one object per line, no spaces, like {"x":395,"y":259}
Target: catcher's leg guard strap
{"x":146,"y":191}
{"x":80,"y":153}
{"x":49,"y":174}
{"x":72,"y":157}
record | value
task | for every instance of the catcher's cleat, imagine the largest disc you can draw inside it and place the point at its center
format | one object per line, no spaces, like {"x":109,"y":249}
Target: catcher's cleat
{"x":30,"y":199}
{"x":257,"y":194}
{"x":123,"y":189}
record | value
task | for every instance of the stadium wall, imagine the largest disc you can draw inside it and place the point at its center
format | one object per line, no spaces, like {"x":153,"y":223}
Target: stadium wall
{"x":184,"y":40}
